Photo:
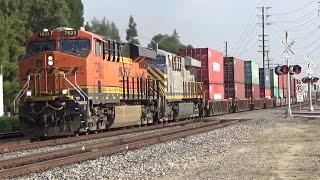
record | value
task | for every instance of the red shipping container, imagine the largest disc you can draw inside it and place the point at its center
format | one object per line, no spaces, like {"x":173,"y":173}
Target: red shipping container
{"x":285,"y":92}
{"x":293,"y":93}
{"x":252,"y":91}
{"x":292,"y":83}
{"x":233,"y":70}
{"x":214,"y":91}
{"x":283,"y":79}
{"x":265,"y":92}
{"x":234,"y":90}
{"x":211,"y":70}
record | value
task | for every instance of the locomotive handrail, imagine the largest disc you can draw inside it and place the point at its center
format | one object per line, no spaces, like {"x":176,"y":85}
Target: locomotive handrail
{"x":75,"y":87}
{"x":21,"y":92}
{"x":76,"y":84}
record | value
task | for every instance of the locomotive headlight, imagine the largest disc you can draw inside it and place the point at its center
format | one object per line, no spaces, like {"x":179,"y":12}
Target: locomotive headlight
{"x":65,"y":91}
{"x":50,"y":60}
{"x":29,"y":93}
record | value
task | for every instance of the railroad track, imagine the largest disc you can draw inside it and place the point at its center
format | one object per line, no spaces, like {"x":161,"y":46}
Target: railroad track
{"x":23,"y":144}
{"x":10,"y":135}
{"x":41,"y":162}
{"x":26,"y":144}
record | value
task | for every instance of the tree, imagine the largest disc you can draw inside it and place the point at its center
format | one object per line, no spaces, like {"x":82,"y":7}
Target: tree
{"x":53,"y":14}
{"x":170,"y":43}
{"x":76,"y":13}
{"x":104,"y":28}
{"x":12,"y":35}
{"x":132,"y":32}
{"x":18,"y":19}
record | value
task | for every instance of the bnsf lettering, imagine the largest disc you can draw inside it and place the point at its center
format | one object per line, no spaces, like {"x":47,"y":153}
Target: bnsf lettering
{"x":124,"y":71}
{"x":51,"y":70}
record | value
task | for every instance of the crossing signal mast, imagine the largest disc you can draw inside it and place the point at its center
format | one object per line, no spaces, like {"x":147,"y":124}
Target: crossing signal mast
{"x":287,"y":69}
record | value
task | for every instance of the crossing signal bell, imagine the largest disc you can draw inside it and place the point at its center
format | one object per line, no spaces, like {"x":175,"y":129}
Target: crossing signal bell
{"x":296,"y":69}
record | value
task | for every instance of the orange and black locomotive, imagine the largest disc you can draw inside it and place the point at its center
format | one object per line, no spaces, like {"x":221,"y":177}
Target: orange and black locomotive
{"x":75,"y":81}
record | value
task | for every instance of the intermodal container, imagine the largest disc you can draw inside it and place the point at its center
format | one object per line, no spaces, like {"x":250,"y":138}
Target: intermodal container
{"x":283,"y":81}
{"x":233,"y":70}
{"x":281,"y":92}
{"x":264,"y":77}
{"x":265,"y":92}
{"x":274,"y":79}
{"x":251,"y":73}
{"x":293,"y":83}
{"x":214,"y":91}
{"x":211,"y":70}
{"x":252,"y":91}
{"x":293,"y":93}
{"x":275,"y":92}
{"x":285,"y":92}
{"x":234,"y":90}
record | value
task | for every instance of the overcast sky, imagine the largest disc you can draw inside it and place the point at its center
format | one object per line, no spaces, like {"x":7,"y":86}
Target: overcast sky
{"x":209,"y":23}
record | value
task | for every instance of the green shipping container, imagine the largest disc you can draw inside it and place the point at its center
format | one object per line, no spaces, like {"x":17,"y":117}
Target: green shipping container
{"x":281,"y":92}
{"x":251,"y":73}
{"x":273,"y":79}
{"x":274,"y":92}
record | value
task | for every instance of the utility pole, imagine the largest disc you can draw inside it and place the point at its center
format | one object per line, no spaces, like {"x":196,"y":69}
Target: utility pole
{"x":264,"y":15}
{"x":226,"y":55}
{"x":269,"y":65}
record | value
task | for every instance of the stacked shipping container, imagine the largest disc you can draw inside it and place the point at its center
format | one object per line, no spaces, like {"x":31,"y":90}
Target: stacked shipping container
{"x":283,"y":90}
{"x":274,"y":81}
{"x":211,"y":71}
{"x":264,"y":76}
{"x":251,"y":70}
{"x":234,"y":78}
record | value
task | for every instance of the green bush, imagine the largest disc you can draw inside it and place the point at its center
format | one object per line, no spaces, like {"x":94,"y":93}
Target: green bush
{"x":9,"y":124}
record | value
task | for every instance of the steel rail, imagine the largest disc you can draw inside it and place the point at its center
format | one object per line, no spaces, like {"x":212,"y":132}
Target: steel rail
{"x":102,"y":150}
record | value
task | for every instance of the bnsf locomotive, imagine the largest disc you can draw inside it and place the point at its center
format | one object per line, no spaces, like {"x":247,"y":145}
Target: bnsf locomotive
{"x":75,"y":81}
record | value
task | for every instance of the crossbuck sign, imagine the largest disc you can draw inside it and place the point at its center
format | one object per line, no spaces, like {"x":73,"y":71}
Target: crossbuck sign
{"x":287,"y":50}
{"x":309,"y":63}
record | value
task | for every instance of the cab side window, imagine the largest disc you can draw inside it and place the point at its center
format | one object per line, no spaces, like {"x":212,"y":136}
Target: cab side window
{"x":97,"y":47}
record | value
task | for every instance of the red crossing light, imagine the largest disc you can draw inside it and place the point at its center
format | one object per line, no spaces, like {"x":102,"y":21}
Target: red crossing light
{"x":306,"y":80}
{"x":279,"y":70}
{"x":296,"y":69}
{"x":314,"y":80}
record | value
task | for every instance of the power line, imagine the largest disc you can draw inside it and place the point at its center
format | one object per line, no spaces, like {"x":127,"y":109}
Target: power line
{"x":245,"y":33}
{"x":294,"y":11}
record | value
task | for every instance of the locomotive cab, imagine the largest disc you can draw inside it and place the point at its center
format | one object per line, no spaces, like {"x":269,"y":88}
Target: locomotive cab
{"x":75,"y":81}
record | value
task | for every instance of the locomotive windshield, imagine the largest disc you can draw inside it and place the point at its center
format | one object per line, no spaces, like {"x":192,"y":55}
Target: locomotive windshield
{"x":159,"y":60}
{"x":35,"y":47}
{"x":74,"y":45}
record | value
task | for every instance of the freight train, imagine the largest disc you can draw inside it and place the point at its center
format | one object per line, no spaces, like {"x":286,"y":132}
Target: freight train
{"x":75,"y":81}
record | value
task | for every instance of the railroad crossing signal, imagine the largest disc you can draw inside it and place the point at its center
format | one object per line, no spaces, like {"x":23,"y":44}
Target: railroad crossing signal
{"x":295,"y":69}
{"x":310,"y":80}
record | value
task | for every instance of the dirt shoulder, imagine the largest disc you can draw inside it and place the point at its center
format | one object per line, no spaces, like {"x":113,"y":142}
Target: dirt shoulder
{"x":286,"y":149}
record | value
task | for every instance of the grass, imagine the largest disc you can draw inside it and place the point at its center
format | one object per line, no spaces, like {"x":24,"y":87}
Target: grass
{"x":9,"y":124}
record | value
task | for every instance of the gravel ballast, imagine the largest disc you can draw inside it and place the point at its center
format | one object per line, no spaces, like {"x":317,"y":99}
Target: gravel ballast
{"x":265,"y":148}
